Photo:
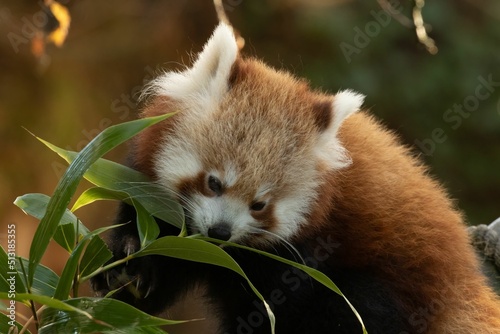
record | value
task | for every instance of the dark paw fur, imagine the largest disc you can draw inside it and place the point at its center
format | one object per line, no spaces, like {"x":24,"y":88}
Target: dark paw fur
{"x":130,"y":282}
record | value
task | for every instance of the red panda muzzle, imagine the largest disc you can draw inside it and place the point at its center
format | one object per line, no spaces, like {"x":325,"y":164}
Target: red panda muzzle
{"x":221,"y":231}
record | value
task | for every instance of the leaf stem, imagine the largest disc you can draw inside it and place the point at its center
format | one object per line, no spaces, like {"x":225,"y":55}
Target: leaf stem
{"x":30,"y":320}
{"x":106,"y":267}
{"x":77,"y":272}
{"x":28,"y":287}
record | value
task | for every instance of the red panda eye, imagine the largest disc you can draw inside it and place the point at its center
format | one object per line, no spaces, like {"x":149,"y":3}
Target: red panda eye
{"x":215,"y":185}
{"x":257,"y":206}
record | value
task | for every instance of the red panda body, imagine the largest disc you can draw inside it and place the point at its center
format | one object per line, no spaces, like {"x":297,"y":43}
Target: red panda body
{"x":404,"y":227}
{"x":256,"y":157}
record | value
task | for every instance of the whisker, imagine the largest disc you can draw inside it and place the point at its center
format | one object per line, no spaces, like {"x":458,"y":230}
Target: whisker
{"x":160,"y":192}
{"x":291,"y":248}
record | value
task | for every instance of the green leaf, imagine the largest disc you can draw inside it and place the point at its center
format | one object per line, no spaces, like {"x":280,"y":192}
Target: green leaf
{"x":7,"y":323}
{"x":146,"y":225}
{"x":71,"y":267}
{"x":200,"y":251}
{"x":137,"y":330}
{"x":9,"y":273}
{"x":105,"y":316}
{"x":65,"y":236}
{"x":36,"y":205}
{"x":315,"y":274}
{"x":113,"y":176}
{"x":44,"y":300}
{"x":44,"y":283}
{"x":45,"y":280}
{"x":101,"y":144}
{"x":94,"y":194}
{"x":96,"y":254}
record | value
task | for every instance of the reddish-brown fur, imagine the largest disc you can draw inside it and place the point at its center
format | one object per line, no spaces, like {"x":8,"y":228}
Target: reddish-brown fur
{"x":147,"y":143}
{"x":397,"y":220}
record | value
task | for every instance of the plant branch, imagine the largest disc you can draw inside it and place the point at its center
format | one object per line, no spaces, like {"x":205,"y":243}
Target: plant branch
{"x":32,"y":304}
{"x":420,"y":29}
{"x":222,"y":16}
{"x":106,"y":267}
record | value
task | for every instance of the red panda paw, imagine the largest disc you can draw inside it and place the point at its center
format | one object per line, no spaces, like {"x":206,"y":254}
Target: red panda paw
{"x":132,"y":281}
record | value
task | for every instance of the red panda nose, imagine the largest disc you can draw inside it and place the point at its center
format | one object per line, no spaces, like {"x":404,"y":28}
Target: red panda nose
{"x":221,"y":231}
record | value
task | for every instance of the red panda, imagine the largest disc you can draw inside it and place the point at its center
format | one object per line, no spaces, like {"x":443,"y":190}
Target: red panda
{"x":256,"y":157}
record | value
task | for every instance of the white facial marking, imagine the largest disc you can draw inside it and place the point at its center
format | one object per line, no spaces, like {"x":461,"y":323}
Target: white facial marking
{"x":290,"y":213}
{"x":263,"y":190}
{"x":176,"y":161}
{"x":209,"y":211}
{"x":230,"y":175}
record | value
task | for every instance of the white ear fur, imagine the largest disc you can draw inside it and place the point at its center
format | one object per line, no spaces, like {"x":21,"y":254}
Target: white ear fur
{"x":345,"y":103}
{"x":205,"y":83}
{"x":329,"y":148}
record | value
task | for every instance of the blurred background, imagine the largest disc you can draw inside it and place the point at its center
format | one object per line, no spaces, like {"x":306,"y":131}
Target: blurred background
{"x":446,"y":106}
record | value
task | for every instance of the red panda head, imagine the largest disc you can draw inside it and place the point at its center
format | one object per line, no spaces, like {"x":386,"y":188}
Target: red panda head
{"x":249,"y":147}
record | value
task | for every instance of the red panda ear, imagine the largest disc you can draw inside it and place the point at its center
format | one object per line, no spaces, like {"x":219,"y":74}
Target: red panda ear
{"x":329,"y":118}
{"x":206,"y":81}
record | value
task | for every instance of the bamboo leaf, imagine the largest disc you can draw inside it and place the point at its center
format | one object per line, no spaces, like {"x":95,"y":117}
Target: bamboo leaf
{"x":66,"y":237}
{"x":44,"y":283}
{"x":101,"y":144}
{"x":96,"y":254}
{"x":36,"y":205}
{"x":6,"y":324}
{"x":44,"y":300}
{"x":105,"y":315}
{"x":315,"y":274}
{"x":9,"y":273}
{"x":71,"y":267}
{"x":94,"y":194}
{"x":200,"y":251}
{"x":113,"y":176}
{"x":146,"y":225}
